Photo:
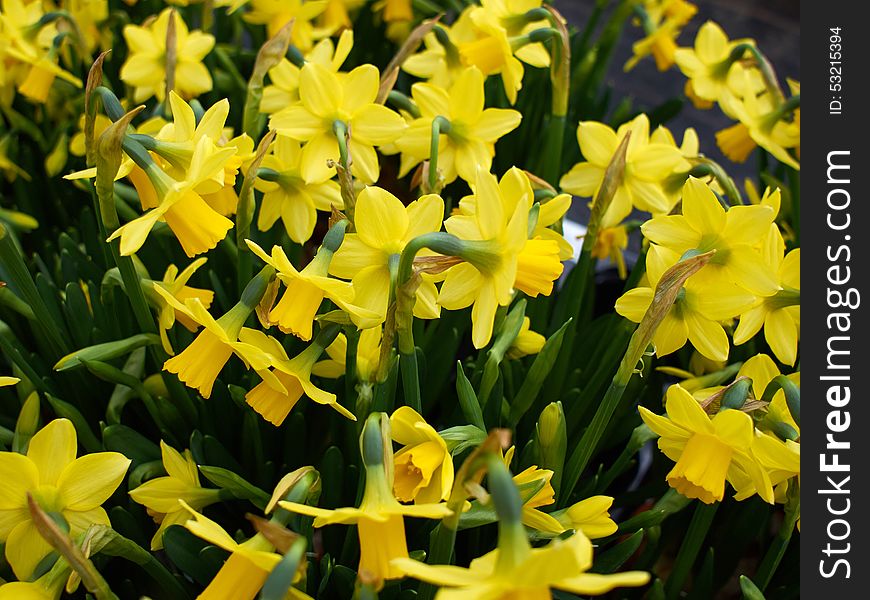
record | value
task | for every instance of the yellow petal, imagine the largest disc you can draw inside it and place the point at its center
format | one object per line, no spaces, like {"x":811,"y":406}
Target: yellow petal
{"x":381,"y":219}
{"x":52,"y":449}
{"x":19,"y":475}
{"x":88,"y":481}
{"x":25,"y":548}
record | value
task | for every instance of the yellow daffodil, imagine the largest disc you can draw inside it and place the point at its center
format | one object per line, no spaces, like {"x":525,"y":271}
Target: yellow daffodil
{"x":714,"y":74}
{"x":696,"y":314}
{"x":200,"y":363}
{"x":160,"y":495}
{"x":610,"y":245}
{"x":336,"y":15}
{"x":49,"y":586}
{"x":198,"y":166}
{"x":176,"y":284}
{"x":778,"y":314}
{"x":762,"y":122}
{"x":368,"y":354}
{"x":285,"y":380}
{"x":561,"y":565}
{"x":7,"y":381}
{"x":288,"y":196}
{"x":383,"y":226}
{"x":380,"y":517}
{"x":707,"y":451}
{"x":283,"y":89}
{"x":781,"y":461}
{"x":514,"y":570}
{"x":663,"y":22}
{"x":500,"y":256}
{"x":469,"y":142}
{"x":61,"y":484}
{"x":705,"y":225}
{"x":761,"y":370}
{"x":249,"y":564}
{"x":490,"y":51}
{"x":306,"y":290}
{"x":424,"y":466}
{"x":527,"y":341}
{"x":145,"y":67}
{"x":326,"y":99}
{"x":435,"y":63}
{"x":590,"y":516}
{"x":274,"y":14}
{"x":511,"y":15}
{"x":28,"y":51}
{"x":647,"y":166}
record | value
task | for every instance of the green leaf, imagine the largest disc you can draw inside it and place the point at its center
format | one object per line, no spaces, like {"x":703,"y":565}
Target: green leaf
{"x":468,"y":399}
{"x":106,"y":351}
{"x":184,"y":549}
{"x":537,"y":375}
{"x":130,"y":443}
{"x":105,"y":540}
{"x":749,"y":589}
{"x":611,"y":560}
{"x":236,"y":485}
{"x":66,"y":410}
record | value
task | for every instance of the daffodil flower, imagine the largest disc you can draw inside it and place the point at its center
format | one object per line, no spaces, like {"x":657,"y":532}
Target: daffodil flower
{"x":778,"y":314}
{"x":696,"y":314}
{"x":590,"y":516}
{"x":761,"y":123}
{"x":49,"y":586}
{"x":243,"y":574}
{"x":512,"y":15}
{"x":160,"y":495}
{"x":647,"y":166}
{"x":435,"y":63}
{"x":274,"y":14}
{"x":283,"y":89}
{"x":326,"y":99}
{"x":286,"y":380}
{"x":714,"y":74}
{"x":514,"y":570}
{"x":71,"y":487}
{"x":491,"y":51}
{"x":196,"y":225}
{"x":705,"y":225}
{"x":424,"y":466}
{"x":499,"y":255}
{"x":145,"y":67}
{"x":380,"y":517}
{"x":176,"y":284}
{"x":368,"y":353}
{"x":200,"y":363}
{"x":336,"y":15}
{"x":527,"y":341}
{"x":662,"y":22}
{"x":383,"y":226}
{"x":762,"y":370}
{"x":288,"y":196}
{"x":306,"y":289}
{"x":7,"y":381}
{"x":469,"y":143}
{"x":707,"y":451}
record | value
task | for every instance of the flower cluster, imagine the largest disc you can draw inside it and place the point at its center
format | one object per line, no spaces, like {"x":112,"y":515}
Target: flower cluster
{"x":272,"y":267}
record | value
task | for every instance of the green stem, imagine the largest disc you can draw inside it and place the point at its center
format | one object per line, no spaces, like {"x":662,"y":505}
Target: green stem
{"x":698,"y":528}
{"x":345,"y":177}
{"x":439,"y":125}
